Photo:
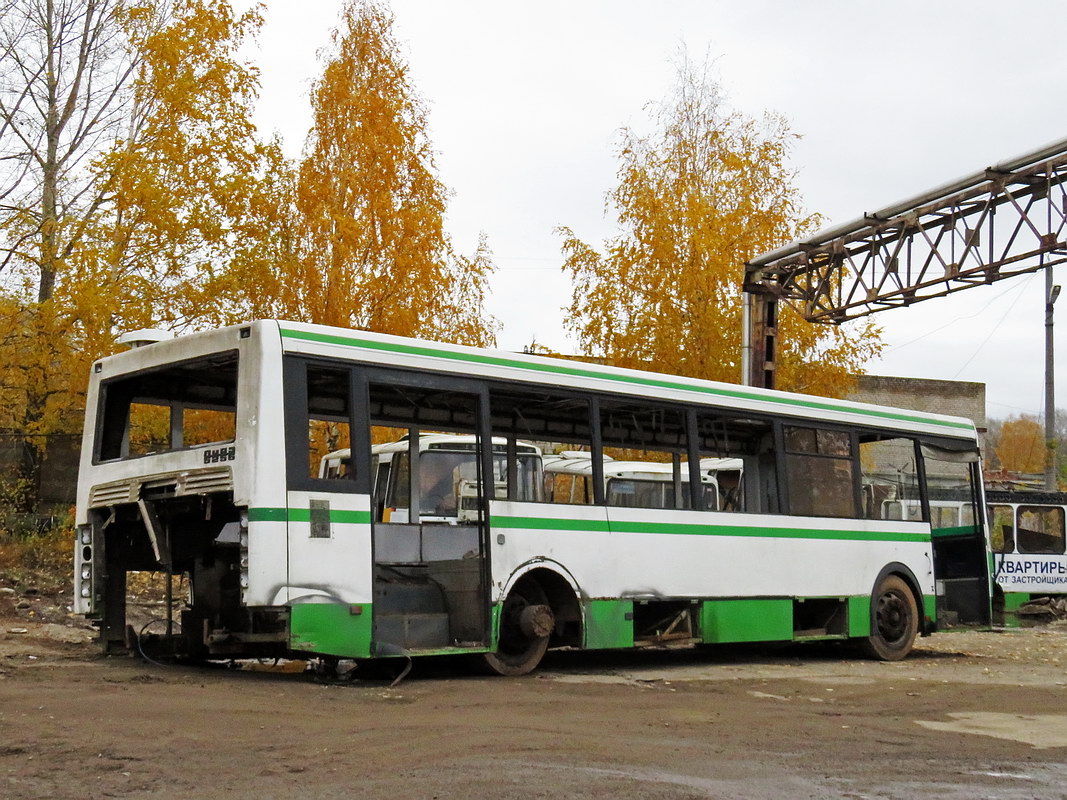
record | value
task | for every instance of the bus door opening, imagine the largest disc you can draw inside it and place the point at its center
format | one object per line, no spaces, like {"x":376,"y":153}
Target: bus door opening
{"x":960,"y":549}
{"x":428,"y":517}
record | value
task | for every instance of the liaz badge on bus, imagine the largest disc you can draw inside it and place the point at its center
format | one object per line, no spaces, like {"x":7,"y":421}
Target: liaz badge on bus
{"x":217,"y":454}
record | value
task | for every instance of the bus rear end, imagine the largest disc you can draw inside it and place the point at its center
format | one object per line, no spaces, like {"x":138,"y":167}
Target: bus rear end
{"x":166,"y":478}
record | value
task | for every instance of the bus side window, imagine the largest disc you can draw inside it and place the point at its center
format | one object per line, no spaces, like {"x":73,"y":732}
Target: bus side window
{"x":567,"y":489}
{"x":399,"y":488}
{"x":765,"y":477}
{"x":1001,"y":529}
{"x":542,"y":427}
{"x":380,"y":470}
{"x":328,"y":424}
{"x":819,"y":468}
{"x":729,"y":494}
{"x":650,"y":442}
{"x":740,"y":453}
{"x":889,"y":477}
{"x":1040,"y":529}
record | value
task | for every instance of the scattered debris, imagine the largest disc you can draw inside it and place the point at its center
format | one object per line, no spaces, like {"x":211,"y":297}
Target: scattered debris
{"x":1046,"y":607}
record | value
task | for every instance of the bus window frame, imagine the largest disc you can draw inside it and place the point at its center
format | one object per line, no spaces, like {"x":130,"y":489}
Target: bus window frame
{"x":295,"y":419}
{"x":477,"y":388}
{"x":591,"y":401}
{"x":105,"y":388}
{"x":1032,"y":507}
{"x":786,"y":476}
{"x":993,"y":506}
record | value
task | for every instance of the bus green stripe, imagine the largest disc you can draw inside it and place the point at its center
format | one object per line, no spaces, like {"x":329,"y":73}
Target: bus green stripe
{"x":696,"y":529}
{"x":566,"y":369}
{"x":957,"y":530}
{"x":304,"y":515}
{"x":616,"y":526}
{"x":267,"y":514}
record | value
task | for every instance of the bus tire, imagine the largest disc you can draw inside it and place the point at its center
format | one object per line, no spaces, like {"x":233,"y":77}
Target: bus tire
{"x":894,"y":620}
{"x":526,"y":623}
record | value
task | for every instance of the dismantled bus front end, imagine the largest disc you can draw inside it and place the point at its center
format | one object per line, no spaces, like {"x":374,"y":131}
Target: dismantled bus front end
{"x":163,"y":488}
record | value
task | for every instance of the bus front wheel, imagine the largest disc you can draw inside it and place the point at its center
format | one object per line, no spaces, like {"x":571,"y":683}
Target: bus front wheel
{"x":526,"y":622}
{"x":894,"y":620}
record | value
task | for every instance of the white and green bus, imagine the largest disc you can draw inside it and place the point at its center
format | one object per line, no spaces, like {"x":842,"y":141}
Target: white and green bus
{"x":203,"y":457}
{"x":1028,"y":537}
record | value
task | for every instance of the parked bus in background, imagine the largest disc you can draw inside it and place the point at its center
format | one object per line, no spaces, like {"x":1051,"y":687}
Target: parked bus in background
{"x":1027,"y":538}
{"x":448,"y":470}
{"x":1029,"y":544}
{"x":645,"y":484}
{"x":203,"y":457}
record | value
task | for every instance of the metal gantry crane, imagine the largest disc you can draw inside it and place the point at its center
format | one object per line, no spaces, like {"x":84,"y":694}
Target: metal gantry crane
{"x":1006,"y":220}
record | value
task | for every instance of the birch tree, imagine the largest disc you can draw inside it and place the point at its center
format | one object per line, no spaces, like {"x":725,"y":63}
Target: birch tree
{"x":65,"y":74}
{"x":127,"y":153}
{"x":707,"y":190}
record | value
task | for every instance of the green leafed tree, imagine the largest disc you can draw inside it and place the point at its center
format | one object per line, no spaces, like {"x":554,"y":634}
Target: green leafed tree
{"x":707,"y":190}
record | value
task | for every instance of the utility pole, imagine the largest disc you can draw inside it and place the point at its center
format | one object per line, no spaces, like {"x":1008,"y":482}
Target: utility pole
{"x":1051,"y":293}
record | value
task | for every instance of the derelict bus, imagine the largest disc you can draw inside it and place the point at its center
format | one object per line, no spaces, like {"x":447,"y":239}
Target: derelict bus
{"x":202,"y":457}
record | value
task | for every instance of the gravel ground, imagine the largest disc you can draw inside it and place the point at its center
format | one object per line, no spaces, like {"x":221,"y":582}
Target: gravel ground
{"x":968,"y":715}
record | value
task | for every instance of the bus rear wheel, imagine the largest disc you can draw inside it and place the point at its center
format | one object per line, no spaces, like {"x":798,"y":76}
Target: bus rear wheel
{"x":526,"y":622}
{"x":894,"y":620}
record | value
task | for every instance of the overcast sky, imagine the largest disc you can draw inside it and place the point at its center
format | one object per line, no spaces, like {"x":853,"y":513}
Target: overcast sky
{"x":891,"y":98}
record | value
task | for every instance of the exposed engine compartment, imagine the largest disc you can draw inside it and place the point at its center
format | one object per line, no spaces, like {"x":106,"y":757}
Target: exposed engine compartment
{"x":203,"y":537}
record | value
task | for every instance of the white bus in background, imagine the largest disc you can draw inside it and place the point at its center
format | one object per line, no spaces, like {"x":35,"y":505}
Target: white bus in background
{"x":203,"y":457}
{"x":646,"y":484}
{"x":448,"y":469}
{"x":1028,"y":537}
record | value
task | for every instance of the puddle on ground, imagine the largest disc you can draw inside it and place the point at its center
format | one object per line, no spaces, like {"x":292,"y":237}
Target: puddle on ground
{"x":1041,"y":731}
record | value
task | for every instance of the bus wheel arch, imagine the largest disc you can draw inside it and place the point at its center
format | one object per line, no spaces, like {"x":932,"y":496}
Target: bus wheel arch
{"x":540,"y":609}
{"x":896,"y":614}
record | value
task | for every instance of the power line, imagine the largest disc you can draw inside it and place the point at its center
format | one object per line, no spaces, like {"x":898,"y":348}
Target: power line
{"x":1017,"y":287}
{"x":993,"y":330}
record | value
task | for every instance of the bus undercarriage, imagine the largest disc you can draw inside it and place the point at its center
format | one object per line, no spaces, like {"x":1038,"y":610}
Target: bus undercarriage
{"x":203,"y":537}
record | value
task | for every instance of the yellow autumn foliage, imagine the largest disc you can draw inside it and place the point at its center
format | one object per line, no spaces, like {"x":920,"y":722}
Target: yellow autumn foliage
{"x":706,"y":191}
{"x":370,"y":249}
{"x":1021,"y":445}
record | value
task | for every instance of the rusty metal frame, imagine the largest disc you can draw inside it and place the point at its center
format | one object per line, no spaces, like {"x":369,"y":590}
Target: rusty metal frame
{"x":1004,"y":221}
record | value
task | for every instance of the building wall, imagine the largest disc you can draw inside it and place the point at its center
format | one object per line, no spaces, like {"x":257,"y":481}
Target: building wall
{"x":955,"y":398}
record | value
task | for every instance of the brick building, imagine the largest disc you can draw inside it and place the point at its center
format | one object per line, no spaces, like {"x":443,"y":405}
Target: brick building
{"x":955,"y":398}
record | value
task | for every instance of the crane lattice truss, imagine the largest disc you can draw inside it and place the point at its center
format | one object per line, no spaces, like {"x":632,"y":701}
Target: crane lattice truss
{"x":1004,"y":221}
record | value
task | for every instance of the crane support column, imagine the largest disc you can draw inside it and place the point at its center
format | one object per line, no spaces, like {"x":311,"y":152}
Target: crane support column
{"x":760,"y":337}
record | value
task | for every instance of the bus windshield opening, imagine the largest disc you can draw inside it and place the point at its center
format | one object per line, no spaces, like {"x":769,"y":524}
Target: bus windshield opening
{"x":184,"y":405}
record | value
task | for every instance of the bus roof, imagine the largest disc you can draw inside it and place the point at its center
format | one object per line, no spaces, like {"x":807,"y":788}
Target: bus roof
{"x":442,"y":441}
{"x":571,"y":463}
{"x":397,"y":351}
{"x":432,"y":441}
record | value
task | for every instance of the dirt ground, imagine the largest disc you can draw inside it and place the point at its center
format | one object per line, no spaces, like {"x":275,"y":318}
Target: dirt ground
{"x":968,"y":715}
